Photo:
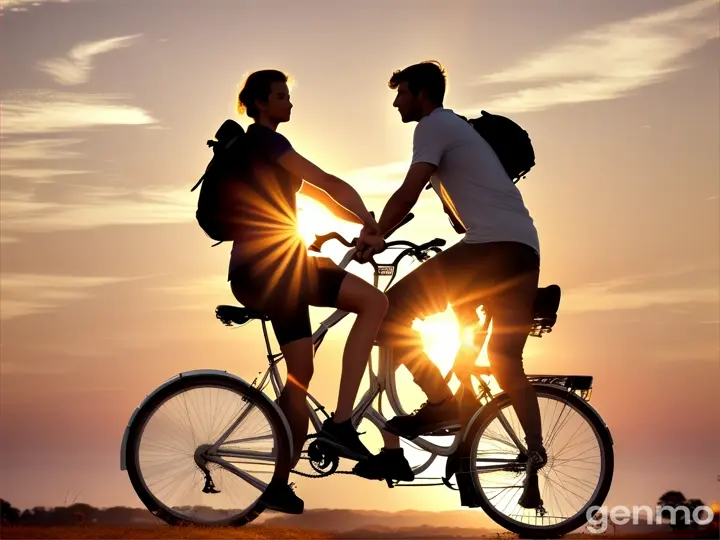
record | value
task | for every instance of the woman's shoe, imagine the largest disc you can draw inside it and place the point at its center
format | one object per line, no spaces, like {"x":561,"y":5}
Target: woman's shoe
{"x":280,"y":496}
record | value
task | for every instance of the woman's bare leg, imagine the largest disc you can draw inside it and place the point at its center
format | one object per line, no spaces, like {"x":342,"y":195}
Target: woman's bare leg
{"x":370,"y":304}
{"x":299,"y":360}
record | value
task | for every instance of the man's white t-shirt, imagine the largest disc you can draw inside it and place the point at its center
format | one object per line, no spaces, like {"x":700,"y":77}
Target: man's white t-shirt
{"x":472,"y":181}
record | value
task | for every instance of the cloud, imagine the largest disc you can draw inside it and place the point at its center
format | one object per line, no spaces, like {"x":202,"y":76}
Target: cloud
{"x":75,"y":68}
{"x":680,"y":286}
{"x":96,"y":207}
{"x":39,"y":175}
{"x":38,"y":152}
{"x":44,"y":111}
{"x":378,"y":179}
{"x":608,"y":62}
{"x":27,"y":294}
{"x":39,"y":149}
{"x":24,"y":5}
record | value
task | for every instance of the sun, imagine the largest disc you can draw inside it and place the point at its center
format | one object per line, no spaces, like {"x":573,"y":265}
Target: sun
{"x":441,"y":337}
{"x":313,"y":218}
{"x":440,"y":332}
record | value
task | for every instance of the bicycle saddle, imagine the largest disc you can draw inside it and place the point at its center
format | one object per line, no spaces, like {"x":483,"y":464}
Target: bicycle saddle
{"x":547,"y":302}
{"x":238,"y":315}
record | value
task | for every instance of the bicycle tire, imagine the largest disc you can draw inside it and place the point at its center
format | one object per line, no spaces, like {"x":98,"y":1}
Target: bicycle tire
{"x":282,"y":440}
{"x":469,"y":481}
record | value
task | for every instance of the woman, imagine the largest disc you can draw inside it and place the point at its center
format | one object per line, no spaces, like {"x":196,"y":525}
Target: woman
{"x":271,"y":271}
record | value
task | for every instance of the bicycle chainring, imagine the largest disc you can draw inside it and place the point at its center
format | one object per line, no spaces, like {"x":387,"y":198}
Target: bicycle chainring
{"x":323,"y":459}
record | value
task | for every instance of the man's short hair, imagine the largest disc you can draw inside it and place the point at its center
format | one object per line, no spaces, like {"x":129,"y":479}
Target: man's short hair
{"x":428,"y":75}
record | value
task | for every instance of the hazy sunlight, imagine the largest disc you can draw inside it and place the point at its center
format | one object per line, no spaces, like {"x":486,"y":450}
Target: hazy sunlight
{"x":314,"y":218}
{"x":441,"y":336}
{"x":440,"y":332}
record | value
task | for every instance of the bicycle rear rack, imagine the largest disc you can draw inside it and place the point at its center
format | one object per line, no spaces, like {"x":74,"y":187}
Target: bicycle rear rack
{"x":579,"y":384}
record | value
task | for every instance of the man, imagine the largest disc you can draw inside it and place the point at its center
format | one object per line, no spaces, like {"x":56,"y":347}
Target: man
{"x":496,"y":265}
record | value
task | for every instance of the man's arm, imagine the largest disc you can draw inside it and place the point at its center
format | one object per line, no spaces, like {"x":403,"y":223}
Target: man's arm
{"x":335,"y":208}
{"x":429,"y":144}
{"x":403,"y":200}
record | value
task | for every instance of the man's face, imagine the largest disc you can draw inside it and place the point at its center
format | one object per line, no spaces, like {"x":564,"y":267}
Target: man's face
{"x":407,"y":105}
{"x":278,"y":106}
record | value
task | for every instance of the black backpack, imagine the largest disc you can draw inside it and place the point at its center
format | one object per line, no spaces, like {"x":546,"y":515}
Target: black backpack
{"x":219,"y":201}
{"x":510,"y":142}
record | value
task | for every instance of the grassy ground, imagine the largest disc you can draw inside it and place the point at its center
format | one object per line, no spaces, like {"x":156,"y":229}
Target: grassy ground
{"x":256,"y":532}
{"x":250,"y":532}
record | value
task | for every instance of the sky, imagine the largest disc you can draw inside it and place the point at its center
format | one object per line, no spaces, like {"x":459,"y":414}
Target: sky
{"x":108,"y":286}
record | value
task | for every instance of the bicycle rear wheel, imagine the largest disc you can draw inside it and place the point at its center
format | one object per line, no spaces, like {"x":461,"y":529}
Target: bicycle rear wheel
{"x":177,"y":468}
{"x":577,"y":475}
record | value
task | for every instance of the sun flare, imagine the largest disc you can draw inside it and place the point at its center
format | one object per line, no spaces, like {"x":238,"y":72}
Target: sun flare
{"x":440,"y":332}
{"x":314,"y":218}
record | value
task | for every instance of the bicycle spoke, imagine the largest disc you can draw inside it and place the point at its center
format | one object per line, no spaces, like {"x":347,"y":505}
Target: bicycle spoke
{"x":176,"y":461}
{"x":568,"y":480}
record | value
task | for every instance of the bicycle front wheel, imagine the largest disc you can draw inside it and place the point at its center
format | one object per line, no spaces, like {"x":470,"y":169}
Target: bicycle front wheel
{"x":576,"y":477}
{"x":183,"y":470}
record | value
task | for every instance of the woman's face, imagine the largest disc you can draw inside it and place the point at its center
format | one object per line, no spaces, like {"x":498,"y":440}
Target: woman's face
{"x":278,"y":104}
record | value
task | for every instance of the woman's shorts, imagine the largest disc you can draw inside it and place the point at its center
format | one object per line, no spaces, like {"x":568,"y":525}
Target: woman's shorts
{"x":285,"y":289}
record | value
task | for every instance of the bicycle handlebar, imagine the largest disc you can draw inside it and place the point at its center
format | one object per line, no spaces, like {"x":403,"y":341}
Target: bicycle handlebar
{"x":419,"y":251}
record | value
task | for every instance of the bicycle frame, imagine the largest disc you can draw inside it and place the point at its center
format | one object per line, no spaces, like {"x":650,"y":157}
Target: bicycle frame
{"x":384,"y":380}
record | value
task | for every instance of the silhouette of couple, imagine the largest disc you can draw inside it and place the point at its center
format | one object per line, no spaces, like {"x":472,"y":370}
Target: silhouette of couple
{"x":496,"y":264}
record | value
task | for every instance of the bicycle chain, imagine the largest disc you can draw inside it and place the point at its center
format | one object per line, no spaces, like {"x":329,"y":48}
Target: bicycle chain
{"x":396,"y":483}
{"x":307,"y":475}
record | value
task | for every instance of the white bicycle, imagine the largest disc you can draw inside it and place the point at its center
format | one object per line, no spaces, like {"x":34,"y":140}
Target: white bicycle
{"x":202,"y":447}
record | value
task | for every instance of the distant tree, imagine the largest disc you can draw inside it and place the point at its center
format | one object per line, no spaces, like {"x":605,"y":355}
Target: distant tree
{"x":9,"y":515}
{"x":674,"y":509}
{"x":675,"y":504}
{"x":692,"y":505}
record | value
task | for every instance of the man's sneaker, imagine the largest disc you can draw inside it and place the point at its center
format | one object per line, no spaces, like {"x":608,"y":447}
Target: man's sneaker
{"x":520,"y":464}
{"x":535,"y":460}
{"x":530,"y":497}
{"x":388,"y":464}
{"x":279,"y":496}
{"x":427,"y":419}
{"x":343,"y":437}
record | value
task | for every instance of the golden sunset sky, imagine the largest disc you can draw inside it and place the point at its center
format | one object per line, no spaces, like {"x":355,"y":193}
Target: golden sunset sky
{"x":109,"y":285}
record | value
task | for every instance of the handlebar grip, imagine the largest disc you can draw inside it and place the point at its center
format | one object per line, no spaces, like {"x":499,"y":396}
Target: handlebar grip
{"x":320,"y":239}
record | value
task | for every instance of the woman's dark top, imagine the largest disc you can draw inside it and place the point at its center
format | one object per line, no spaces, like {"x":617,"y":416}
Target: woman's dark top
{"x":268,"y":214}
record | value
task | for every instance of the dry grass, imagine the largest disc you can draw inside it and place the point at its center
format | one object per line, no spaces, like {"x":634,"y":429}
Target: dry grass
{"x":252,"y":532}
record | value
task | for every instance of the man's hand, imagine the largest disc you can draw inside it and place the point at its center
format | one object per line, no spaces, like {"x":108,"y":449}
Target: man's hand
{"x":369,"y":243}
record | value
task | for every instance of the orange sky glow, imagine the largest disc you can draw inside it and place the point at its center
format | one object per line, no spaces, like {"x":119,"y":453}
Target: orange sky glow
{"x":108,"y":286}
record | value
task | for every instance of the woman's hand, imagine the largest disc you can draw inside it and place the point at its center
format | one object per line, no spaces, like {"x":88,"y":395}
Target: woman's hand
{"x":369,"y":243}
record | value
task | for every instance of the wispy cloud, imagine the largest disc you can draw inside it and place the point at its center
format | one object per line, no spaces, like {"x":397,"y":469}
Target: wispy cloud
{"x":45,"y":111}
{"x":26,"y":294}
{"x":675,"y":287}
{"x":24,"y":5}
{"x":39,"y":175}
{"x":31,"y":159}
{"x":95,"y":207}
{"x":608,"y":62}
{"x":378,"y":179}
{"x":39,"y":149}
{"x":75,"y":68}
